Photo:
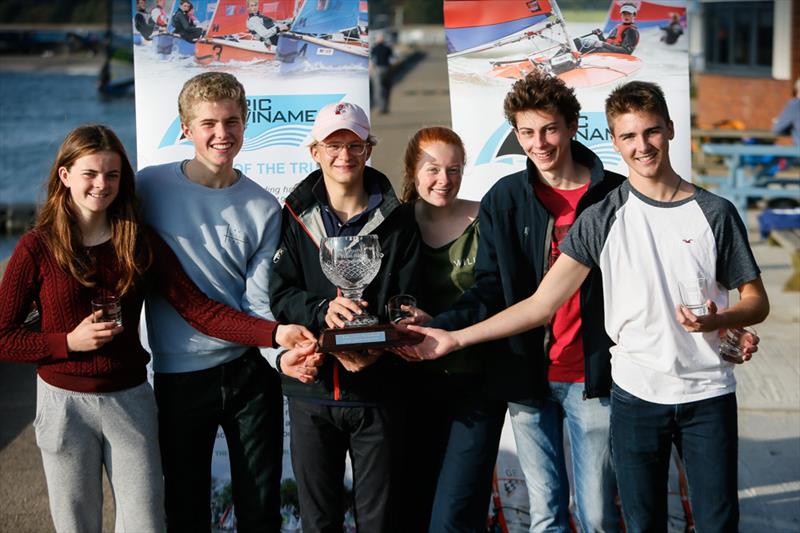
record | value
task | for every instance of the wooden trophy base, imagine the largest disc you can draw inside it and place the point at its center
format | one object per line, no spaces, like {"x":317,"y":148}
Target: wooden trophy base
{"x":378,"y":336}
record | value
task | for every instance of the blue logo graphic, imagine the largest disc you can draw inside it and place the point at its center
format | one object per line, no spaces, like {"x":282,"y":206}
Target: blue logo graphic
{"x":283,"y":120}
{"x":593,"y":132}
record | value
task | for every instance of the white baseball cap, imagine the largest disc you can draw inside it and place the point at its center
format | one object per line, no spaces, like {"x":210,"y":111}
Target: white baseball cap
{"x":628,"y":8}
{"x":340,"y":116}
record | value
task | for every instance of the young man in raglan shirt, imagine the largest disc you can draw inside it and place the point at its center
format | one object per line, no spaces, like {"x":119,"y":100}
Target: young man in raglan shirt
{"x":351,"y":407}
{"x":562,"y":372}
{"x":224,"y":228}
{"x":671,"y":385}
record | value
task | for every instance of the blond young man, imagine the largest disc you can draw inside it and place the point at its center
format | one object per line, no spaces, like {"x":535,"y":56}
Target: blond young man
{"x":224,"y":229}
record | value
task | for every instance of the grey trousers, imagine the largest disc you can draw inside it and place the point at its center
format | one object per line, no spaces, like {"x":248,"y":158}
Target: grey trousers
{"x":79,"y":434}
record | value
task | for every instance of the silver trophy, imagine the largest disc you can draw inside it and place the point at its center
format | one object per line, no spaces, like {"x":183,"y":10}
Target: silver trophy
{"x":351,"y":263}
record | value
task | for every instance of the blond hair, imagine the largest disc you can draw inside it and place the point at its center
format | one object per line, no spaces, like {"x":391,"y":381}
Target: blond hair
{"x":210,"y":87}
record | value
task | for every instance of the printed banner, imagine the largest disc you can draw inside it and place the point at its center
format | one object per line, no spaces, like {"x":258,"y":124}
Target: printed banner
{"x":323,"y":58}
{"x":492,"y":43}
{"x":288,"y":76}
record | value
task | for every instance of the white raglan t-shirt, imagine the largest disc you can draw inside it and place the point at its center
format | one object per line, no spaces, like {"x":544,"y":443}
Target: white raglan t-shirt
{"x":643,"y":247}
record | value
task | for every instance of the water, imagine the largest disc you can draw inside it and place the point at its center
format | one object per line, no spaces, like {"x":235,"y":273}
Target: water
{"x":36,"y":112}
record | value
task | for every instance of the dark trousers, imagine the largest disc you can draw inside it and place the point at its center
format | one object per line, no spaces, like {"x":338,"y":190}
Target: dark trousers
{"x":244,"y":398}
{"x":450,"y":442}
{"x":321,"y":436}
{"x":705,"y":434}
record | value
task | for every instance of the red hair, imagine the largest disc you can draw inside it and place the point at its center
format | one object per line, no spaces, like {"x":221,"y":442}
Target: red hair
{"x":414,"y":154}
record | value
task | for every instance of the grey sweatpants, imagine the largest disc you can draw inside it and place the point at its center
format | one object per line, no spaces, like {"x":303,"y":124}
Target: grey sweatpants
{"x":79,"y":434}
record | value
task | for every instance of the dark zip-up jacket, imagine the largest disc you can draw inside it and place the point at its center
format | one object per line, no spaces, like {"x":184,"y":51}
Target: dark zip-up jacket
{"x":513,"y":252}
{"x":300,"y":292}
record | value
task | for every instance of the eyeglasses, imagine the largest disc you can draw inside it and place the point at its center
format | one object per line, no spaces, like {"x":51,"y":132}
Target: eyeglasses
{"x":333,"y":149}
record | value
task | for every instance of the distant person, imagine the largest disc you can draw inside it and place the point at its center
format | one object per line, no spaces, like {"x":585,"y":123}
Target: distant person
{"x":95,"y":409}
{"x":788,"y":122}
{"x":671,"y":385}
{"x":142,"y":21}
{"x":673,"y":30}
{"x":263,"y":27}
{"x":380,"y":73}
{"x":224,"y":228}
{"x":159,"y":17}
{"x":184,"y":25}
{"x":623,"y":39}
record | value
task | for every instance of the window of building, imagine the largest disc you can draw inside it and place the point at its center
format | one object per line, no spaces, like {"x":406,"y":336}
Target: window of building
{"x":739,"y":37}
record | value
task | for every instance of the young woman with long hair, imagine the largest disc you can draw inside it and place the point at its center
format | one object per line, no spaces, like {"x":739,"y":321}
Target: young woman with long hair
{"x":453,"y":429}
{"x":94,"y":407}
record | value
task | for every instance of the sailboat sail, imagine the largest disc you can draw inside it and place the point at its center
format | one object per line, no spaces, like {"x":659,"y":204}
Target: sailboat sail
{"x":228,"y":38}
{"x":327,"y":17}
{"x":326,"y":33}
{"x":230,"y":18}
{"x":470,"y":27}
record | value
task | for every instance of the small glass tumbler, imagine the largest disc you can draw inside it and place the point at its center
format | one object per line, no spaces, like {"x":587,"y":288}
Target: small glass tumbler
{"x":110,"y":309}
{"x":731,"y":346}
{"x":694,"y":293}
{"x":395,"y":307}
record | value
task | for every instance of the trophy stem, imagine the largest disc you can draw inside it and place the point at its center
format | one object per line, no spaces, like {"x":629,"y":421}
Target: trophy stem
{"x":352,"y":294}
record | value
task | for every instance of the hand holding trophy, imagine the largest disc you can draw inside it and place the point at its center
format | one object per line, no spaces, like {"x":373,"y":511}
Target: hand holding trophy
{"x":351,"y":263}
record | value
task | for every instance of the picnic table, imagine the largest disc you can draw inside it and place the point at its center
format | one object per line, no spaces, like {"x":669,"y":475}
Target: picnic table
{"x":746,"y":179}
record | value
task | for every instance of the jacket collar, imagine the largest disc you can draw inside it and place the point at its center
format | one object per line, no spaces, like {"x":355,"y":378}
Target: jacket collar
{"x":580,"y":154}
{"x":303,"y":203}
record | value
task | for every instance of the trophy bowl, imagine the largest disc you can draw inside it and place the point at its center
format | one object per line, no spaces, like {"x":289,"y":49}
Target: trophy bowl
{"x":351,"y":263}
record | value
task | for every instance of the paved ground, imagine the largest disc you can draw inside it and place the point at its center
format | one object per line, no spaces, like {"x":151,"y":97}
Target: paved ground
{"x":769,"y":387}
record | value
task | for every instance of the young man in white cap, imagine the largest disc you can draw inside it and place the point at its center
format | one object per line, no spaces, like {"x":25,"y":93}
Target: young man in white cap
{"x":624,"y":37}
{"x":349,"y":408}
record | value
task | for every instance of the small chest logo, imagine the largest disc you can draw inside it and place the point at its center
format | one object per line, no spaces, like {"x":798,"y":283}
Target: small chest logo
{"x":687,"y":241}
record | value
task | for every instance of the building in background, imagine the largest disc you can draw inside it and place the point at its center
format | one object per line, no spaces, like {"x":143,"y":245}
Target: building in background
{"x":746,"y":56}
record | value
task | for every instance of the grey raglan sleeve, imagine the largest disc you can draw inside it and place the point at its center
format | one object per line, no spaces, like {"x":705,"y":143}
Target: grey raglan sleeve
{"x":735,"y":262}
{"x":586,"y":238}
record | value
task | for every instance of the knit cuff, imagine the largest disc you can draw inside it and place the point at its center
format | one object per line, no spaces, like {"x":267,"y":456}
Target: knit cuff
{"x":57,"y":343}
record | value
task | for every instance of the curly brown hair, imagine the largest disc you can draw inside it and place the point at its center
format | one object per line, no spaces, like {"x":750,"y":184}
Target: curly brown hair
{"x":414,"y":154}
{"x":539,"y":91}
{"x":210,"y":87}
{"x":636,"y":96}
{"x":57,"y":220}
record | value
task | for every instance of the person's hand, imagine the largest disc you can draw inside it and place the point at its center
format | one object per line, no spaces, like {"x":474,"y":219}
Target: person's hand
{"x":436,"y":343}
{"x":418,"y":316}
{"x":357,"y":361}
{"x":341,"y":310}
{"x":698,"y":324}
{"x":293,"y":335}
{"x":597,"y":31}
{"x":302,"y":363}
{"x":748,"y":345}
{"x":283,"y":27}
{"x":89,"y":335}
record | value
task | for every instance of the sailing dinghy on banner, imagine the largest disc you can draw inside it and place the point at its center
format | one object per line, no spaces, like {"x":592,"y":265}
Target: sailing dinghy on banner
{"x":326,"y":33}
{"x":228,"y":39}
{"x":535,"y":28}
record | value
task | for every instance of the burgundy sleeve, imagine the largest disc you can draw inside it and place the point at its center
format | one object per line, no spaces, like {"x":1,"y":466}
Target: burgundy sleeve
{"x":207,"y":316}
{"x":17,"y":293}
